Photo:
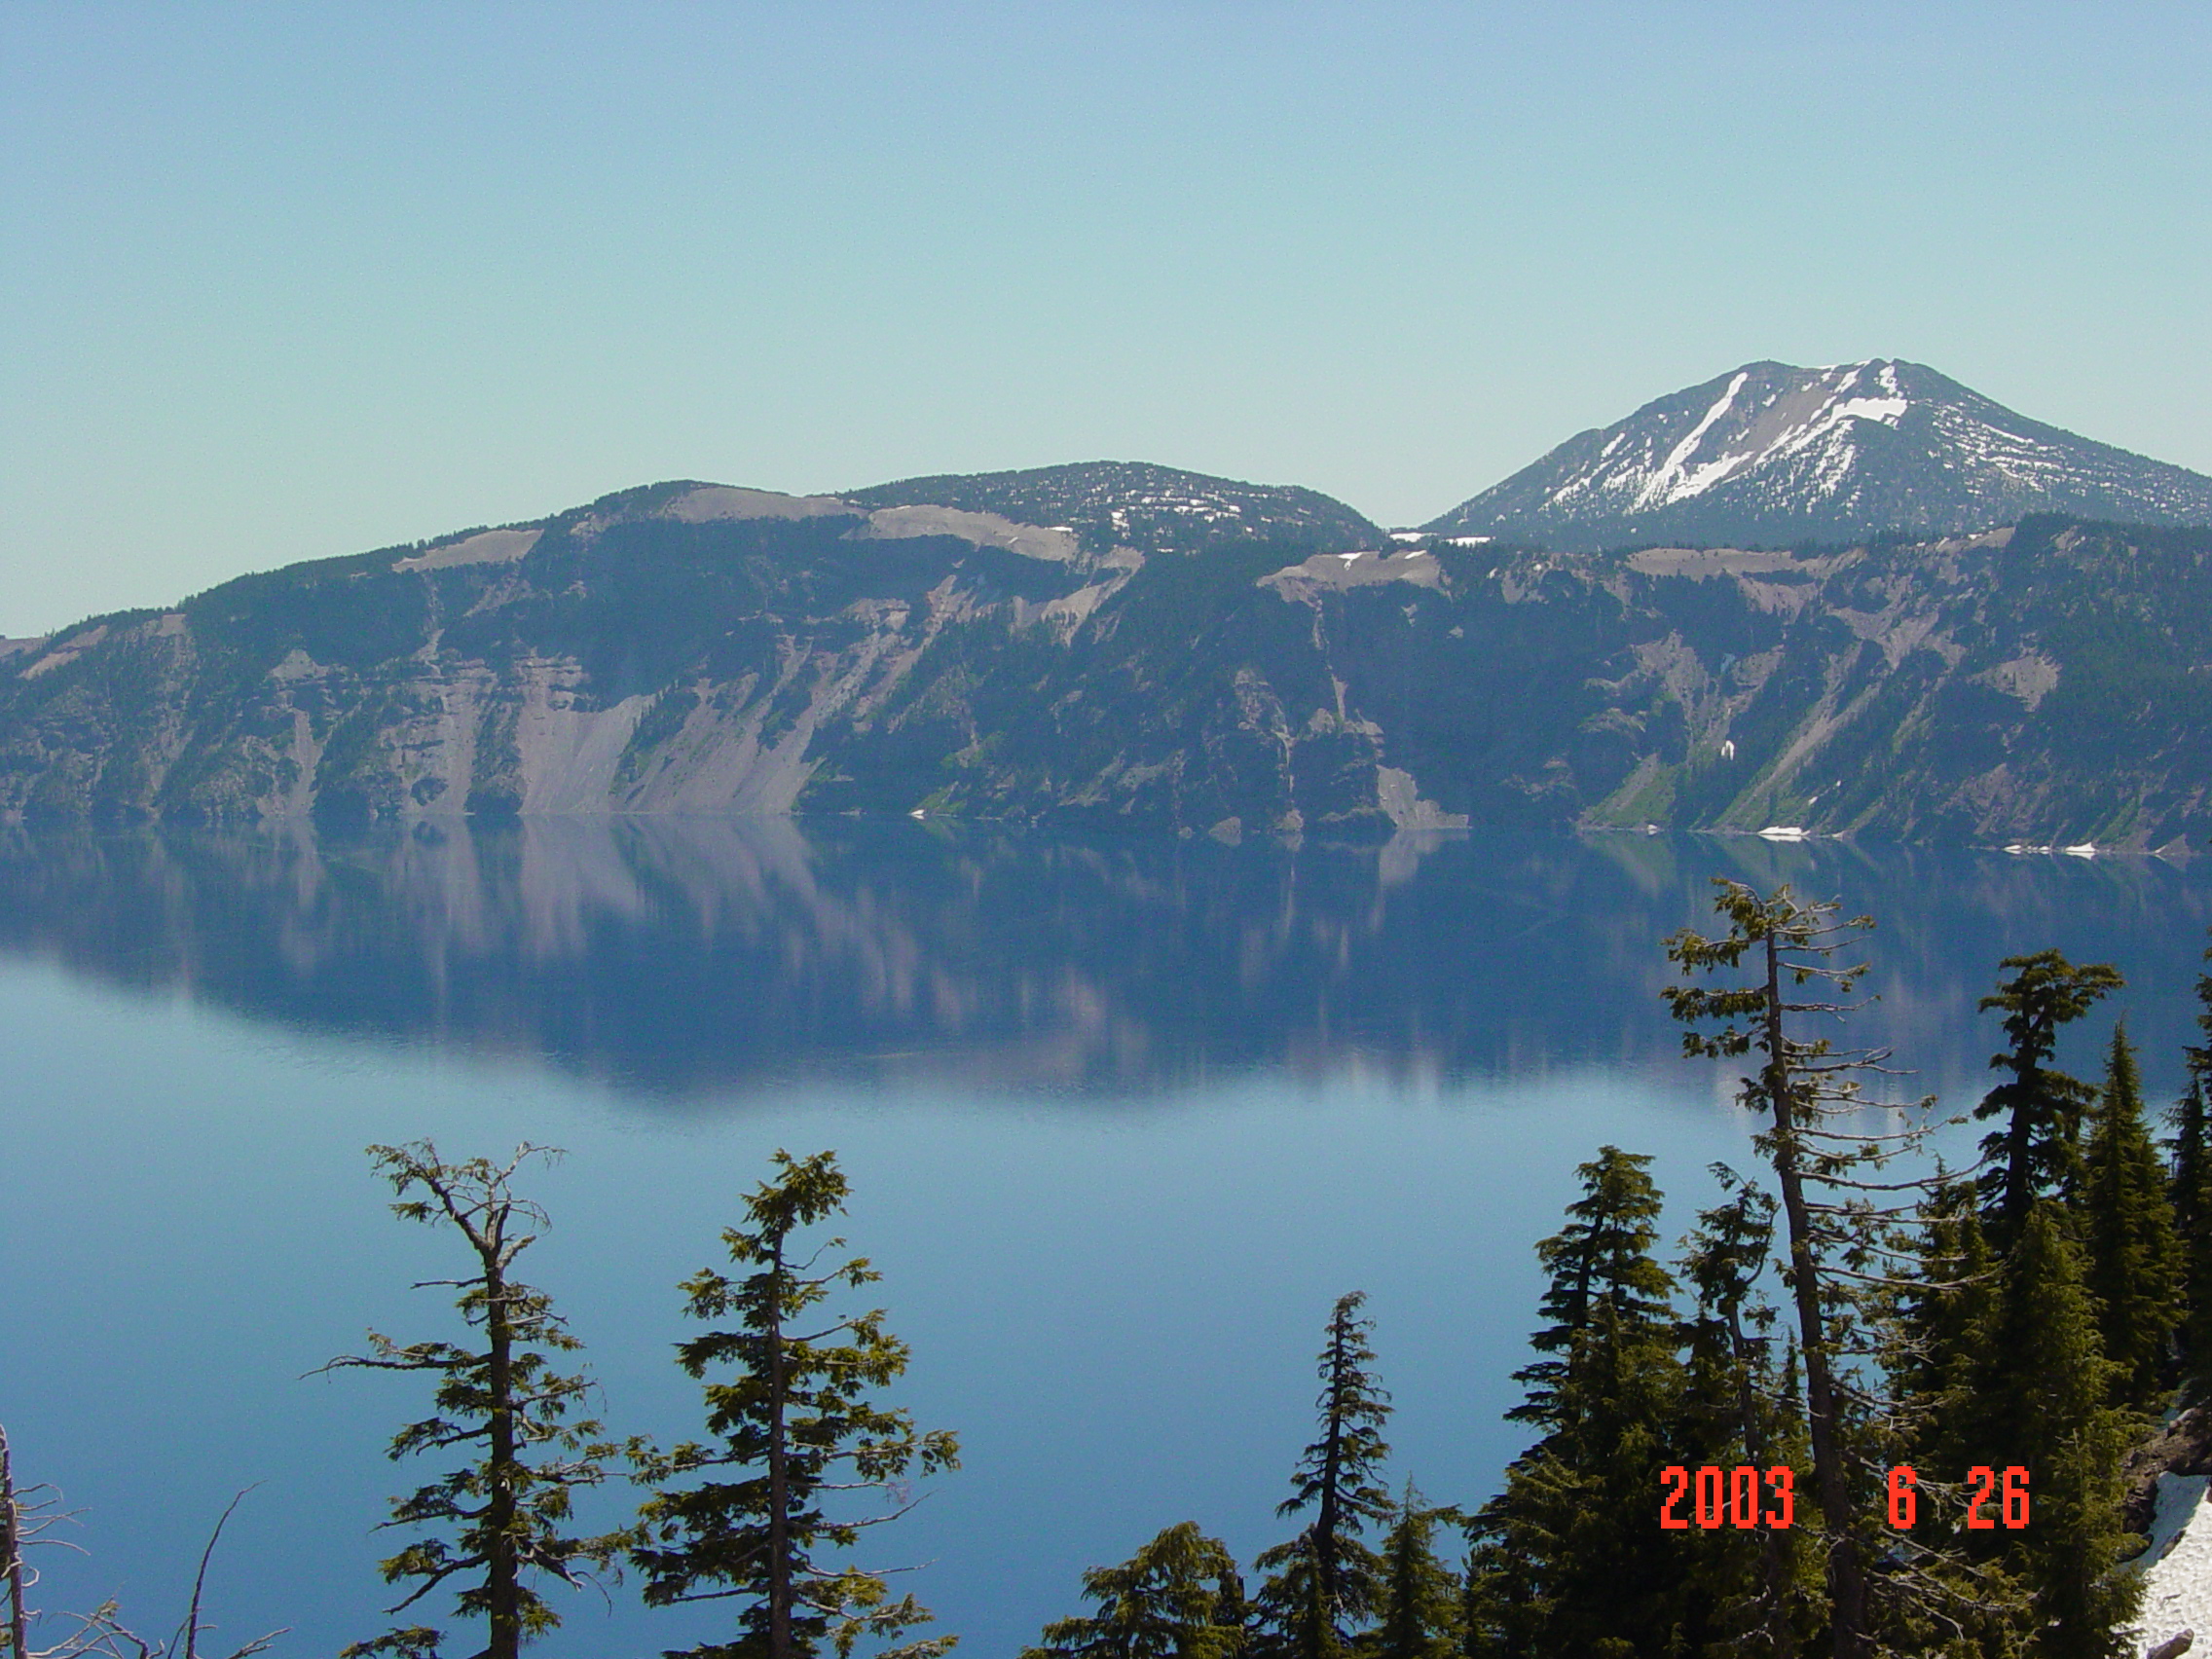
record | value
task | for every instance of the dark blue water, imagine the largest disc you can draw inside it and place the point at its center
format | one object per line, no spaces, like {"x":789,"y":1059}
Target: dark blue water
{"x":1122,"y":1119}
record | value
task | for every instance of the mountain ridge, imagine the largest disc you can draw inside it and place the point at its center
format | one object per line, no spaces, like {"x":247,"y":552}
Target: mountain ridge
{"x":1769,"y":453}
{"x":1125,"y":643}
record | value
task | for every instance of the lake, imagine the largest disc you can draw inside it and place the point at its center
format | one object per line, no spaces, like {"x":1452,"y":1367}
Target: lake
{"x":1122,"y":1119}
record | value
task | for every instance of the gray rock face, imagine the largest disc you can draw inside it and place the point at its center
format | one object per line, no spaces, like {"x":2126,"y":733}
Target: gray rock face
{"x":1770,"y":455}
{"x":1125,"y":644}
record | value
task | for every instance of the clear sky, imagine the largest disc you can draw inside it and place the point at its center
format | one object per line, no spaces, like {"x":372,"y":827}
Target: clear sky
{"x":278,"y":283}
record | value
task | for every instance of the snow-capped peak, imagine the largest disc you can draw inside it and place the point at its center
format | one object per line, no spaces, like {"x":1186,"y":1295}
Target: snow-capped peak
{"x":1776,"y":453}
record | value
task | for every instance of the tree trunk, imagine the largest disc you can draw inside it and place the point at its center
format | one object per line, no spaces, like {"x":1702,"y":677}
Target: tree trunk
{"x":1846,"y":1580}
{"x":502,"y":1564}
{"x":12,"y":1555}
{"x":1332,"y":1465}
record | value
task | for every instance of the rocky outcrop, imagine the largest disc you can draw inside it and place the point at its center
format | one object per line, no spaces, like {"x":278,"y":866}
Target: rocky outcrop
{"x":1150,"y":646}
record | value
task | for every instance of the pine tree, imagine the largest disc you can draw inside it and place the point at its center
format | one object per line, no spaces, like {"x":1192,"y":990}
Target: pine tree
{"x":2038,"y":1401}
{"x":2191,"y":1148}
{"x":1325,"y":1578}
{"x":1418,"y":1617}
{"x":2036,"y":1152}
{"x":1177,"y":1597}
{"x":1939,"y":1325}
{"x":1600,"y":1262}
{"x":2192,"y":1190}
{"x":2133,"y":1265}
{"x":505,"y":1514}
{"x":1501,"y":1610}
{"x":1732,"y":1403}
{"x":794,"y":1424}
{"x":1567,"y":1557}
{"x":1805,"y":1091}
{"x":1963,"y":1601}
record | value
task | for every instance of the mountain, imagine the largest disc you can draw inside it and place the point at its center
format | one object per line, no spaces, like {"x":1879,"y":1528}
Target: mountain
{"x":1110,"y":504}
{"x":1770,"y":455}
{"x":1119,"y":644}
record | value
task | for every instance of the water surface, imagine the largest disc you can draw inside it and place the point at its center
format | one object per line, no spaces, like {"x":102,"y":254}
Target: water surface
{"x":1122,"y":1119}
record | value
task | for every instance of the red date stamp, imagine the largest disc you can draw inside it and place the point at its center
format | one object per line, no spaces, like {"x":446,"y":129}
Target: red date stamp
{"x":1745,"y":1497}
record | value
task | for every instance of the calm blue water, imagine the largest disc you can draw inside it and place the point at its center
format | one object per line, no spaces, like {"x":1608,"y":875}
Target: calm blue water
{"x":1122,"y":1119}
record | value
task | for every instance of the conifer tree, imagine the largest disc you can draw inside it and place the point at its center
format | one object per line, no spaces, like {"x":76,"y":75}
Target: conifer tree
{"x":2192,"y":1190}
{"x":1325,"y":1578}
{"x":2038,"y":1401}
{"x":2037,"y":1151}
{"x":795,"y":1425}
{"x":2133,"y":1265}
{"x":2191,"y":1148}
{"x":1419,"y":1615}
{"x":498,"y":1522}
{"x":1600,"y":1265}
{"x":1179,"y":1596}
{"x":1963,"y":1601}
{"x":1751,"y":1580}
{"x":1940,"y":1323}
{"x":1840,"y":1248}
{"x":1568,"y":1559}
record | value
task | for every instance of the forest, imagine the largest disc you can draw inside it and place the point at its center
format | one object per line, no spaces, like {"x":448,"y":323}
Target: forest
{"x":1871,"y":1403}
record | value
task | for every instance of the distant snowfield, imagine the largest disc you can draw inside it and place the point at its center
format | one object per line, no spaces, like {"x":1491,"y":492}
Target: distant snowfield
{"x":2177,"y":1587}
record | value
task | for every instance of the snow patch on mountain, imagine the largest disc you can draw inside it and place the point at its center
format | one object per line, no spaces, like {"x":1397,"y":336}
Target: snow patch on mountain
{"x":1853,"y":449}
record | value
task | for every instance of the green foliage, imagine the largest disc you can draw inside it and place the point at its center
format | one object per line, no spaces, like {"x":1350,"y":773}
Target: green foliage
{"x":794,"y":1424}
{"x":499,"y":1521}
{"x":1826,"y":1164}
{"x":1420,"y":1610}
{"x":1325,"y":1578}
{"x":1577,"y":1559}
{"x":2134,"y":1264}
{"x":1757,"y":1591}
{"x":1177,"y":1597}
{"x":2191,"y":1193}
{"x":2036,"y":1154}
{"x":1600,"y":1268}
{"x":2038,"y":1399}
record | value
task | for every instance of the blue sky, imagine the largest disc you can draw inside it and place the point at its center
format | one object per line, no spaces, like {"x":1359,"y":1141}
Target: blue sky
{"x":280,"y":283}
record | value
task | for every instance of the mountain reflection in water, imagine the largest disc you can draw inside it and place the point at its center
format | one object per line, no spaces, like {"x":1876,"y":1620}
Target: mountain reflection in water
{"x":687,"y":959}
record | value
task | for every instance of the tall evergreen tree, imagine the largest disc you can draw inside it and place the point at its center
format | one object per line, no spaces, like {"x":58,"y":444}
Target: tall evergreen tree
{"x":1326,"y":1579}
{"x":1939,"y":1325}
{"x":1599,"y":1265}
{"x":2191,"y":1148}
{"x":1961,"y":1601}
{"x":1419,"y":1615}
{"x":2192,"y":1190}
{"x":2038,"y":1401}
{"x":2036,"y":1153}
{"x":1177,"y":1597}
{"x":1733,"y":1400}
{"x":499,"y":1522}
{"x":1806,"y":1092}
{"x":2134,"y":1265}
{"x":795,"y":1426}
{"x":1501,"y":1610}
{"x":1566,"y":1558}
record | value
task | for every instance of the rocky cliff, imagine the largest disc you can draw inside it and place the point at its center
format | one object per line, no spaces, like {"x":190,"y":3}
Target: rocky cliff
{"x":1127,"y":644}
